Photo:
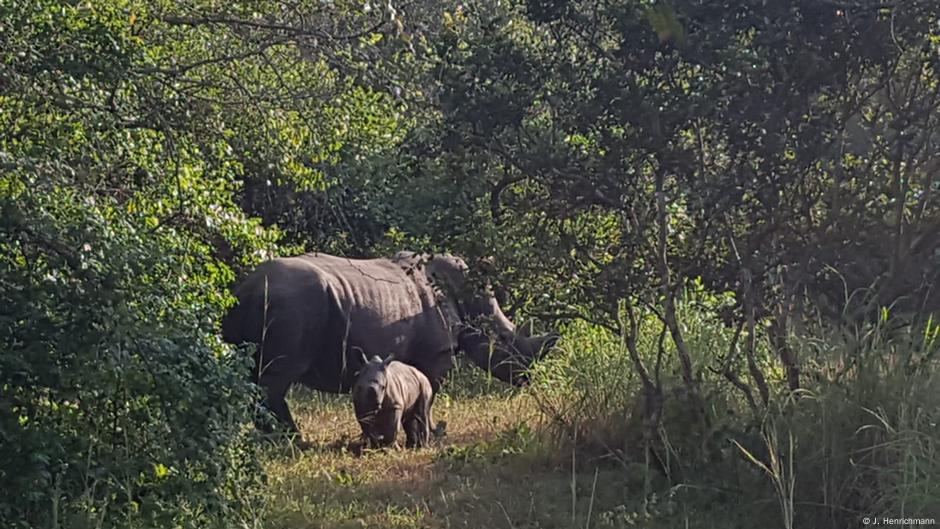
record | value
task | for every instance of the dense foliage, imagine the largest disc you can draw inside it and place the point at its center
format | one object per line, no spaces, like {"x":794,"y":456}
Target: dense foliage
{"x":128,"y":128}
{"x":784,"y":141}
{"x":725,"y":206}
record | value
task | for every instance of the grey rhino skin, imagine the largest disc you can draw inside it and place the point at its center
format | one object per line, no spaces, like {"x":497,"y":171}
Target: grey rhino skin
{"x":388,"y":393}
{"x":315,"y":315}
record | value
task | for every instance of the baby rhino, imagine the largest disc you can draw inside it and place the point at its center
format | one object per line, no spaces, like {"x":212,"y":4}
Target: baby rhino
{"x":388,"y":393}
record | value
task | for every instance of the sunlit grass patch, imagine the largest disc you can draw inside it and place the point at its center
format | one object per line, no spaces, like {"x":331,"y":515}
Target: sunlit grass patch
{"x":529,"y":459}
{"x":485,"y":472}
{"x":491,"y":470}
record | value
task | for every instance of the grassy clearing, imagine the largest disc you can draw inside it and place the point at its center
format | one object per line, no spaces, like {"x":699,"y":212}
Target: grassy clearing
{"x":488,"y":471}
{"x":865,"y":444}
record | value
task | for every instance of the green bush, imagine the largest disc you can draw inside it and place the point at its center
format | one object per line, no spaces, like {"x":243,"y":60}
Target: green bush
{"x":118,"y":405}
{"x":589,"y":387}
{"x":132,"y":135}
{"x":592,"y":390}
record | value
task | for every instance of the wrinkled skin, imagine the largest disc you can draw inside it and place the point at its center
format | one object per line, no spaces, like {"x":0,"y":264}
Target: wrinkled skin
{"x":388,"y":393}
{"x":314,"y":315}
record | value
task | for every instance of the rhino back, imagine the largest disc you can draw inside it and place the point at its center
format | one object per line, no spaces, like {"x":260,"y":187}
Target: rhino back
{"x":387,"y":306}
{"x":406,"y":384}
{"x":370,"y":290}
{"x":312,"y":311}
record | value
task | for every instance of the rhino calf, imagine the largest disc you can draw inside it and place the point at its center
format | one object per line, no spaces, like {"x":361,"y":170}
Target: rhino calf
{"x":388,"y":393}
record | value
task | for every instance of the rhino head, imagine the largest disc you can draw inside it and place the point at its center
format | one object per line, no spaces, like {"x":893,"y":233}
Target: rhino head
{"x":488,"y":338}
{"x":507,"y":356}
{"x":369,"y":388}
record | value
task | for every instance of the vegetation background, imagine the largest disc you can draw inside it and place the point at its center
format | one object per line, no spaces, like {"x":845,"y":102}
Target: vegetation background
{"x":730,"y":209}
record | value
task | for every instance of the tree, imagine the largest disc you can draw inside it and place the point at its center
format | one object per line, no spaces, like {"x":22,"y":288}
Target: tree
{"x":131,"y":135}
{"x":645,"y":144}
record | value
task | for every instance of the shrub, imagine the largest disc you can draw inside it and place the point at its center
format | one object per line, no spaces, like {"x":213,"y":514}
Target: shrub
{"x":119,"y":405}
{"x":860,"y":439}
{"x":592,"y":388}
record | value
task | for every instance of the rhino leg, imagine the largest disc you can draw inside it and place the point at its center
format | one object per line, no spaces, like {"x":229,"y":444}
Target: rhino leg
{"x":418,"y":424}
{"x":417,"y":433}
{"x":436,"y":370}
{"x":387,"y":426}
{"x":423,"y":420}
{"x":276,"y":389}
{"x":278,"y":364}
{"x":409,"y":424}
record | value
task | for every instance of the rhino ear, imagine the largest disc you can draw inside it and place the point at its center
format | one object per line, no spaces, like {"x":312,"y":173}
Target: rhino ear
{"x":526,"y":329}
{"x":376,"y":359}
{"x":362,"y":356}
{"x":550,"y":340}
{"x":390,"y":359}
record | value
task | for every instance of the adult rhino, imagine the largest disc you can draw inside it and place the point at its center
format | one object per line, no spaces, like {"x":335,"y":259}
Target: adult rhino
{"x":315,"y":316}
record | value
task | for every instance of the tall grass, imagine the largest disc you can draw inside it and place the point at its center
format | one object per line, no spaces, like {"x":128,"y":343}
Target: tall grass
{"x":860,"y":439}
{"x":592,"y":387}
{"x":868,"y":436}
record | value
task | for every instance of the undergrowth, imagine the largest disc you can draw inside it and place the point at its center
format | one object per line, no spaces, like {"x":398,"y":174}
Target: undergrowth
{"x":859,"y":440}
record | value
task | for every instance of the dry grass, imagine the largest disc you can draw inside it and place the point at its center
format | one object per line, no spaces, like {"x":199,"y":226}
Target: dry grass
{"x":487,"y":472}
{"x":870,"y":443}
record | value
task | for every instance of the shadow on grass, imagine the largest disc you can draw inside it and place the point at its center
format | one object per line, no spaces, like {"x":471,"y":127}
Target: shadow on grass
{"x":486,"y":484}
{"x":491,"y":471}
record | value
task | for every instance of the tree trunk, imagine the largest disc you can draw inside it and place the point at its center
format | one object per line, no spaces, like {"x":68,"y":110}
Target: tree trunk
{"x":669,"y":308}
